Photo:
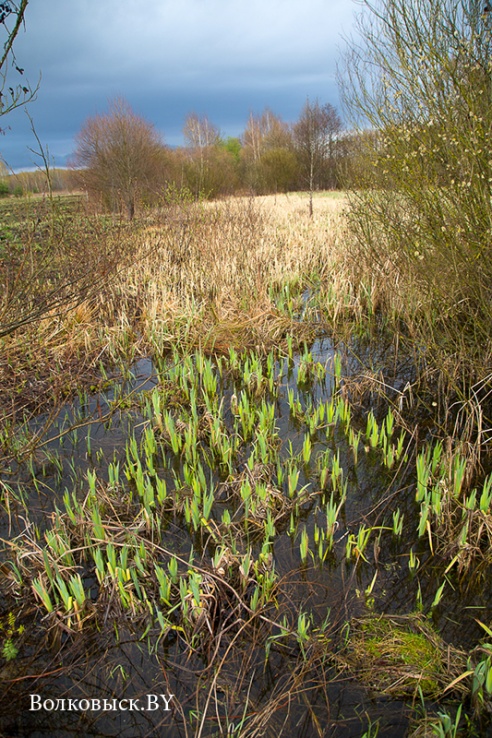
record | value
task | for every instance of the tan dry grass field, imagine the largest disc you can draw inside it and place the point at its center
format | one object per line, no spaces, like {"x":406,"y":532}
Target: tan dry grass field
{"x":222,"y":263}
{"x":213,"y":274}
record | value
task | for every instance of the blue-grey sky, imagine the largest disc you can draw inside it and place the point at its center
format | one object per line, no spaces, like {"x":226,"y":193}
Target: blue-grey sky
{"x":168,"y":58}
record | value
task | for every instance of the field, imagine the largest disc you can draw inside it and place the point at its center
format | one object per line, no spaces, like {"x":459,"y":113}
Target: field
{"x":237,"y":496}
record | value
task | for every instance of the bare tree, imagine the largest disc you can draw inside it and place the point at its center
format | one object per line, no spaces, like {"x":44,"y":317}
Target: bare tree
{"x":315,"y":137}
{"x":202,"y":137}
{"x":119,"y":154}
{"x":267,"y":152}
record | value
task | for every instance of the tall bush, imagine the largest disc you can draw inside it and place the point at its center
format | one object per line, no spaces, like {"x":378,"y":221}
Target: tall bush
{"x":120,"y":156}
{"x":419,"y":78}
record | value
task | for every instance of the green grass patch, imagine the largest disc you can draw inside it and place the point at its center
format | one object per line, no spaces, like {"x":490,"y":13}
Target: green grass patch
{"x":400,"y":655}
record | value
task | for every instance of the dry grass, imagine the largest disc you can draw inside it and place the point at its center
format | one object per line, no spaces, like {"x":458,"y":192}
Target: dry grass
{"x":198,"y":274}
{"x":208,"y":273}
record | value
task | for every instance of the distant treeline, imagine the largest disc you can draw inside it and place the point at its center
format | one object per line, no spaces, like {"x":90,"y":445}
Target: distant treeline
{"x":270,"y":156}
{"x":62,"y":180}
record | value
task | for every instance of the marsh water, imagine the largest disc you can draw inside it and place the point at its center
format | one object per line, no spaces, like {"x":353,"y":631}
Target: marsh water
{"x":124,"y":655}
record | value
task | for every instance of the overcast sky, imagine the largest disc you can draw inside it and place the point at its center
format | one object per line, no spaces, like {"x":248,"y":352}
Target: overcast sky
{"x":168,"y":58}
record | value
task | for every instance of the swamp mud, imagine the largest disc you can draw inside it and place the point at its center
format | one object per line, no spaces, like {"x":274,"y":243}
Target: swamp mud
{"x":251,"y":544}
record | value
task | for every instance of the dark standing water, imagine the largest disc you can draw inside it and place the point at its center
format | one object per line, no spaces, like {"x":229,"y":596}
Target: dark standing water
{"x":122,"y":653}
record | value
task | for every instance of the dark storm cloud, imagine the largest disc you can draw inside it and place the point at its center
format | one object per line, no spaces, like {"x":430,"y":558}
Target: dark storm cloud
{"x":223,"y":58}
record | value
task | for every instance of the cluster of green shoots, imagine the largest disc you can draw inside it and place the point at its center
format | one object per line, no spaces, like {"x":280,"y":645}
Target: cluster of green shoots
{"x":446,"y":501}
{"x":382,"y":437}
{"x":207,"y":455}
{"x":207,"y":452}
{"x":323,"y":420}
